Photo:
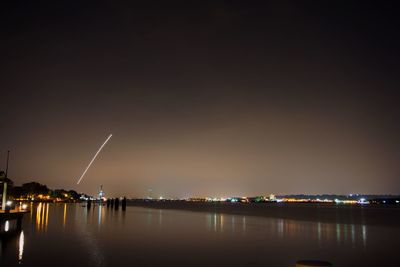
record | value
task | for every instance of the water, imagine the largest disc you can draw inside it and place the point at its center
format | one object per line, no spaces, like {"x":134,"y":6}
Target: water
{"x":70,"y":235}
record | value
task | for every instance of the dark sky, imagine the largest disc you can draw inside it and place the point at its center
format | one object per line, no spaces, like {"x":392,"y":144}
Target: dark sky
{"x":203,"y":98}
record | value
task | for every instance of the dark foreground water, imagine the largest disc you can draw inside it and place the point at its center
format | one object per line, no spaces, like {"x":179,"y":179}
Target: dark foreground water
{"x":70,"y":235}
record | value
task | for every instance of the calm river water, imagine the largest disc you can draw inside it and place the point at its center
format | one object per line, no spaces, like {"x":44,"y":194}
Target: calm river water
{"x":70,"y":235}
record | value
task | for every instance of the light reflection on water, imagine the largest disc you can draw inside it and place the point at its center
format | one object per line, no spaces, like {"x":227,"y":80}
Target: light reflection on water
{"x":21,"y":243}
{"x":42,"y":216}
{"x":102,"y":236}
{"x":7,"y":226}
{"x":65,"y":215}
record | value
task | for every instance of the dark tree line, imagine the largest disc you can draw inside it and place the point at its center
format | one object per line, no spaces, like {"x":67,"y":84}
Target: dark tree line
{"x":34,"y":189}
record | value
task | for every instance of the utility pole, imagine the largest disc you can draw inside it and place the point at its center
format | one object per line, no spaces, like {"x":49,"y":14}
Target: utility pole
{"x":8,"y":157}
{"x":4,"y":201}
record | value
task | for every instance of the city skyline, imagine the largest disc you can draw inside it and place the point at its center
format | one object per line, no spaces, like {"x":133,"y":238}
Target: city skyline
{"x":218,"y":99}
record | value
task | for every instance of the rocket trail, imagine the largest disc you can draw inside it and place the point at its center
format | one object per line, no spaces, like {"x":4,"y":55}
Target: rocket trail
{"x":98,"y":151}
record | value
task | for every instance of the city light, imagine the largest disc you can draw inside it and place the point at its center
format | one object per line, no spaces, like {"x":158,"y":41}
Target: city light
{"x":363,"y":201}
{"x":288,"y":199}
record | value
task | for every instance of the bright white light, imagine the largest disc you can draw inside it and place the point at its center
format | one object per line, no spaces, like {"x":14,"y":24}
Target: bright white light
{"x":397,"y":201}
{"x":7,"y":226}
{"x":98,"y":151}
{"x":8,"y":203}
{"x":363,"y":201}
{"x":24,"y":206}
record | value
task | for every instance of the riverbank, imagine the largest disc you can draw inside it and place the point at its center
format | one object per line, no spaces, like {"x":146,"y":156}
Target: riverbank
{"x":326,"y":213}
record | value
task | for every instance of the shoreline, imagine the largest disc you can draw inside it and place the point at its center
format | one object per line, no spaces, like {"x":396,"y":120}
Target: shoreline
{"x":324,"y":213}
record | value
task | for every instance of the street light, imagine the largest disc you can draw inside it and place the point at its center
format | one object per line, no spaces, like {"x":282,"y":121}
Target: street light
{"x":4,"y":181}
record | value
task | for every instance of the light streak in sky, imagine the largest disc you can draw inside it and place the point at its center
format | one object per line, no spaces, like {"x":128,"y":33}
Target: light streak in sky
{"x":98,"y":151}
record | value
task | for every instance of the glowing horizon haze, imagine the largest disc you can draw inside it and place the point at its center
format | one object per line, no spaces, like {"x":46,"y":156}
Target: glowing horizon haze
{"x":208,"y":98}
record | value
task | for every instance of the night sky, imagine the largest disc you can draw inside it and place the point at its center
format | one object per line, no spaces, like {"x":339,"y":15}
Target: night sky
{"x":203,"y":98}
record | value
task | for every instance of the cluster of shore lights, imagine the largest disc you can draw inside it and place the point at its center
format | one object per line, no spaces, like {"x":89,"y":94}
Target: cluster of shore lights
{"x":361,"y":201}
{"x":42,"y":197}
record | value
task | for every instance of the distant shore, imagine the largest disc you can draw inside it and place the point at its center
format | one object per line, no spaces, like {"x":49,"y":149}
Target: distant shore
{"x":326,"y":213}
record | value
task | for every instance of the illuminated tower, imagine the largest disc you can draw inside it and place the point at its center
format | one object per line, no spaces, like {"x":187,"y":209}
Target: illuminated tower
{"x":272,"y":197}
{"x":101,"y":193}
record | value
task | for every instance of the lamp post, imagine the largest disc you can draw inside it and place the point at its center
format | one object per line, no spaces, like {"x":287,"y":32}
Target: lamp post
{"x":4,"y":201}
